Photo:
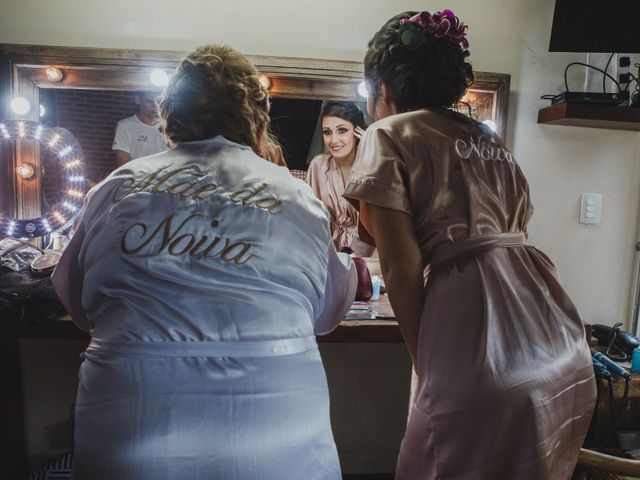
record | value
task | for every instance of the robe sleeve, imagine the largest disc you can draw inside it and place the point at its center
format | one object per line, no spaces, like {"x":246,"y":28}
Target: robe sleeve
{"x":379,"y":174}
{"x":339,"y":292}
{"x":68,"y":277}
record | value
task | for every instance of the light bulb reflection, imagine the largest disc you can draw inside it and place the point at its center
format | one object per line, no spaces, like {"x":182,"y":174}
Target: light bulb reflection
{"x":20,"y":105}
{"x":362,"y":90}
{"x":159,"y":77}
{"x":26,"y":171}
{"x":265,"y":81}
{"x":491,"y":124}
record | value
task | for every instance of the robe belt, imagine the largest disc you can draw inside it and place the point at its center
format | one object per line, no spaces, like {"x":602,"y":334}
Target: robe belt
{"x":263,"y":348}
{"x":446,"y":252}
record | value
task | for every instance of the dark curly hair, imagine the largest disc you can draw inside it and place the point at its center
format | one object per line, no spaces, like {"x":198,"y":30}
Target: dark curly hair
{"x":215,"y":90}
{"x":435,"y":75}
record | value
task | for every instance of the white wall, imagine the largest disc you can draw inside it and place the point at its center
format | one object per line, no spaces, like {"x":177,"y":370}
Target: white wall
{"x":509,"y":36}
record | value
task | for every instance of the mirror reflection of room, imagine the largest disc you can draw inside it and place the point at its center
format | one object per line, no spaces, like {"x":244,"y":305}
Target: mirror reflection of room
{"x":111,"y":126}
{"x":139,"y":135}
{"x":342,"y":125}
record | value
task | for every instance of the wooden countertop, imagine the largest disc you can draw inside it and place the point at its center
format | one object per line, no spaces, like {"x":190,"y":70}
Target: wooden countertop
{"x":349,"y":331}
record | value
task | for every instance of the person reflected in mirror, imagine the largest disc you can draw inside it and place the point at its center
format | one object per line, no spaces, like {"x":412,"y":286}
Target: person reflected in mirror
{"x":204,"y":274}
{"x":505,"y":385}
{"x":343,"y":126}
{"x":272,"y":151}
{"x":139,"y":135}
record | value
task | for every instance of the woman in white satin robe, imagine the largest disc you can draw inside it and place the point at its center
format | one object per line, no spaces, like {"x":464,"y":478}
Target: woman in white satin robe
{"x":203,"y":275}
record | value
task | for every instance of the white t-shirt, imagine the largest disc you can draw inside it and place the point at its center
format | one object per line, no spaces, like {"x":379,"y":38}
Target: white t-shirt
{"x":137,"y":138}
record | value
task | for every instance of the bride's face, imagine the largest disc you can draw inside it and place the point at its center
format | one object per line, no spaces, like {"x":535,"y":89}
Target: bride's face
{"x":338,"y":136}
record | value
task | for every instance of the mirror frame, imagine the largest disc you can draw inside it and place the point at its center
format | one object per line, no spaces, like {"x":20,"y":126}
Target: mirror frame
{"x":23,"y":73}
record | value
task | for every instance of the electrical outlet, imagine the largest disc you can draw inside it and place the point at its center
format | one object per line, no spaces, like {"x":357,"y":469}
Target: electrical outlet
{"x":623,"y":70}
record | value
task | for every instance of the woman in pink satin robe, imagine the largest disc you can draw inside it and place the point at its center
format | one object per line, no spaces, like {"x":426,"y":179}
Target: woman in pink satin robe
{"x":342,"y":126}
{"x":505,"y":383}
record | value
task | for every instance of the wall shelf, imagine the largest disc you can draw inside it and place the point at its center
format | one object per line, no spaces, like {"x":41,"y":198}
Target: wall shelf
{"x":594,"y":116}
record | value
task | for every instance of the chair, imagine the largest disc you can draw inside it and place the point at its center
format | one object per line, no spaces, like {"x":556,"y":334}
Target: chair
{"x":300,"y":174}
{"x":594,"y":465}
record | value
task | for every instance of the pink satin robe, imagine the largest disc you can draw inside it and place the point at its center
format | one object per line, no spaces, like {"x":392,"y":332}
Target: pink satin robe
{"x":505,"y":385}
{"x":326,"y":181}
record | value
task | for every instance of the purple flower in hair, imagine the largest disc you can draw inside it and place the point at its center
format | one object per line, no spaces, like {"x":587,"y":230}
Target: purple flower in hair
{"x":440,"y":24}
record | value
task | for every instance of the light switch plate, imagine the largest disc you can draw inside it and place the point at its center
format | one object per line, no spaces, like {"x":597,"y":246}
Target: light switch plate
{"x":590,"y":208}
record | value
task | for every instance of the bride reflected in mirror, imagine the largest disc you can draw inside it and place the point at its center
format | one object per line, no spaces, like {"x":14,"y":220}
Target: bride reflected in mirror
{"x":342,"y":126}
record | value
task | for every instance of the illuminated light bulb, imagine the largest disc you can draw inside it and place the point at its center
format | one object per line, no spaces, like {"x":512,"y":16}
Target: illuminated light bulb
{"x":70,"y":206}
{"x":20,"y":105}
{"x":491,"y":124}
{"x":26,"y":171}
{"x":61,"y":144}
{"x":362,"y":90}
{"x":75,"y":193}
{"x":54,"y":140}
{"x":159,"y":77}
{"x":42,"y":110}
{"x":265,"y":81}
{"x":65,"y":151}
{"x":61,"y":218}
{"x":5,"y":132}
{"x":72,"y":163}
{"x":54,"y":74}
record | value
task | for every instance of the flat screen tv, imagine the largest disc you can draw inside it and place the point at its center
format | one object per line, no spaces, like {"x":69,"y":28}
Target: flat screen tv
{"x":611,"y":26}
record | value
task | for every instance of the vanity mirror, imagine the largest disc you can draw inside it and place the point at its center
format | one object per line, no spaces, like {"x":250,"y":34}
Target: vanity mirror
{"x":87,"y":90}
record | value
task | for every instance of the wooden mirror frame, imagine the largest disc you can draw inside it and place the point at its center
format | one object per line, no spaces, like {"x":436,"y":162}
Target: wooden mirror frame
{"x":23,"y":73}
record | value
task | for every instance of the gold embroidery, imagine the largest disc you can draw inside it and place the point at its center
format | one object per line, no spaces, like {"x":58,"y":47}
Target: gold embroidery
{"x":193,"y":186}
{"x":178,"y":244}
{"x":172,"y":235}
{"x":246,"y":196}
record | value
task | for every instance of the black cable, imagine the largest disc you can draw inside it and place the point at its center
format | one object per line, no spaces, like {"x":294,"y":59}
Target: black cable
{"x":627,"y":381}
{"x":611,"y":403}
{"x":566,"y":82}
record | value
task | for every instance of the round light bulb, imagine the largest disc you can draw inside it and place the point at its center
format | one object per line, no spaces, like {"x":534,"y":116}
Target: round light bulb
{"x":265,"y":81}
{"x":20,"y":105}
{"x":362,"y":90}
{"x":25,"y":170}
{"x":54,"y":74}
{"x":159,"y":77}
{"x":491,"y":124}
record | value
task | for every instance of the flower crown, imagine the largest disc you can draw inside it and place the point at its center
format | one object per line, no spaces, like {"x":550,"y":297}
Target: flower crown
{"x":440,"y":24}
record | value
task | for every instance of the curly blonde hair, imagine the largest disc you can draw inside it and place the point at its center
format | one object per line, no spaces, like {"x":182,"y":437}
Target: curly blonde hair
{"x":215,"y":90}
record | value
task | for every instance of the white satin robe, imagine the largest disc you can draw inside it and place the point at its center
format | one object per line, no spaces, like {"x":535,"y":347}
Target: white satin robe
{"x":203,"y":275}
